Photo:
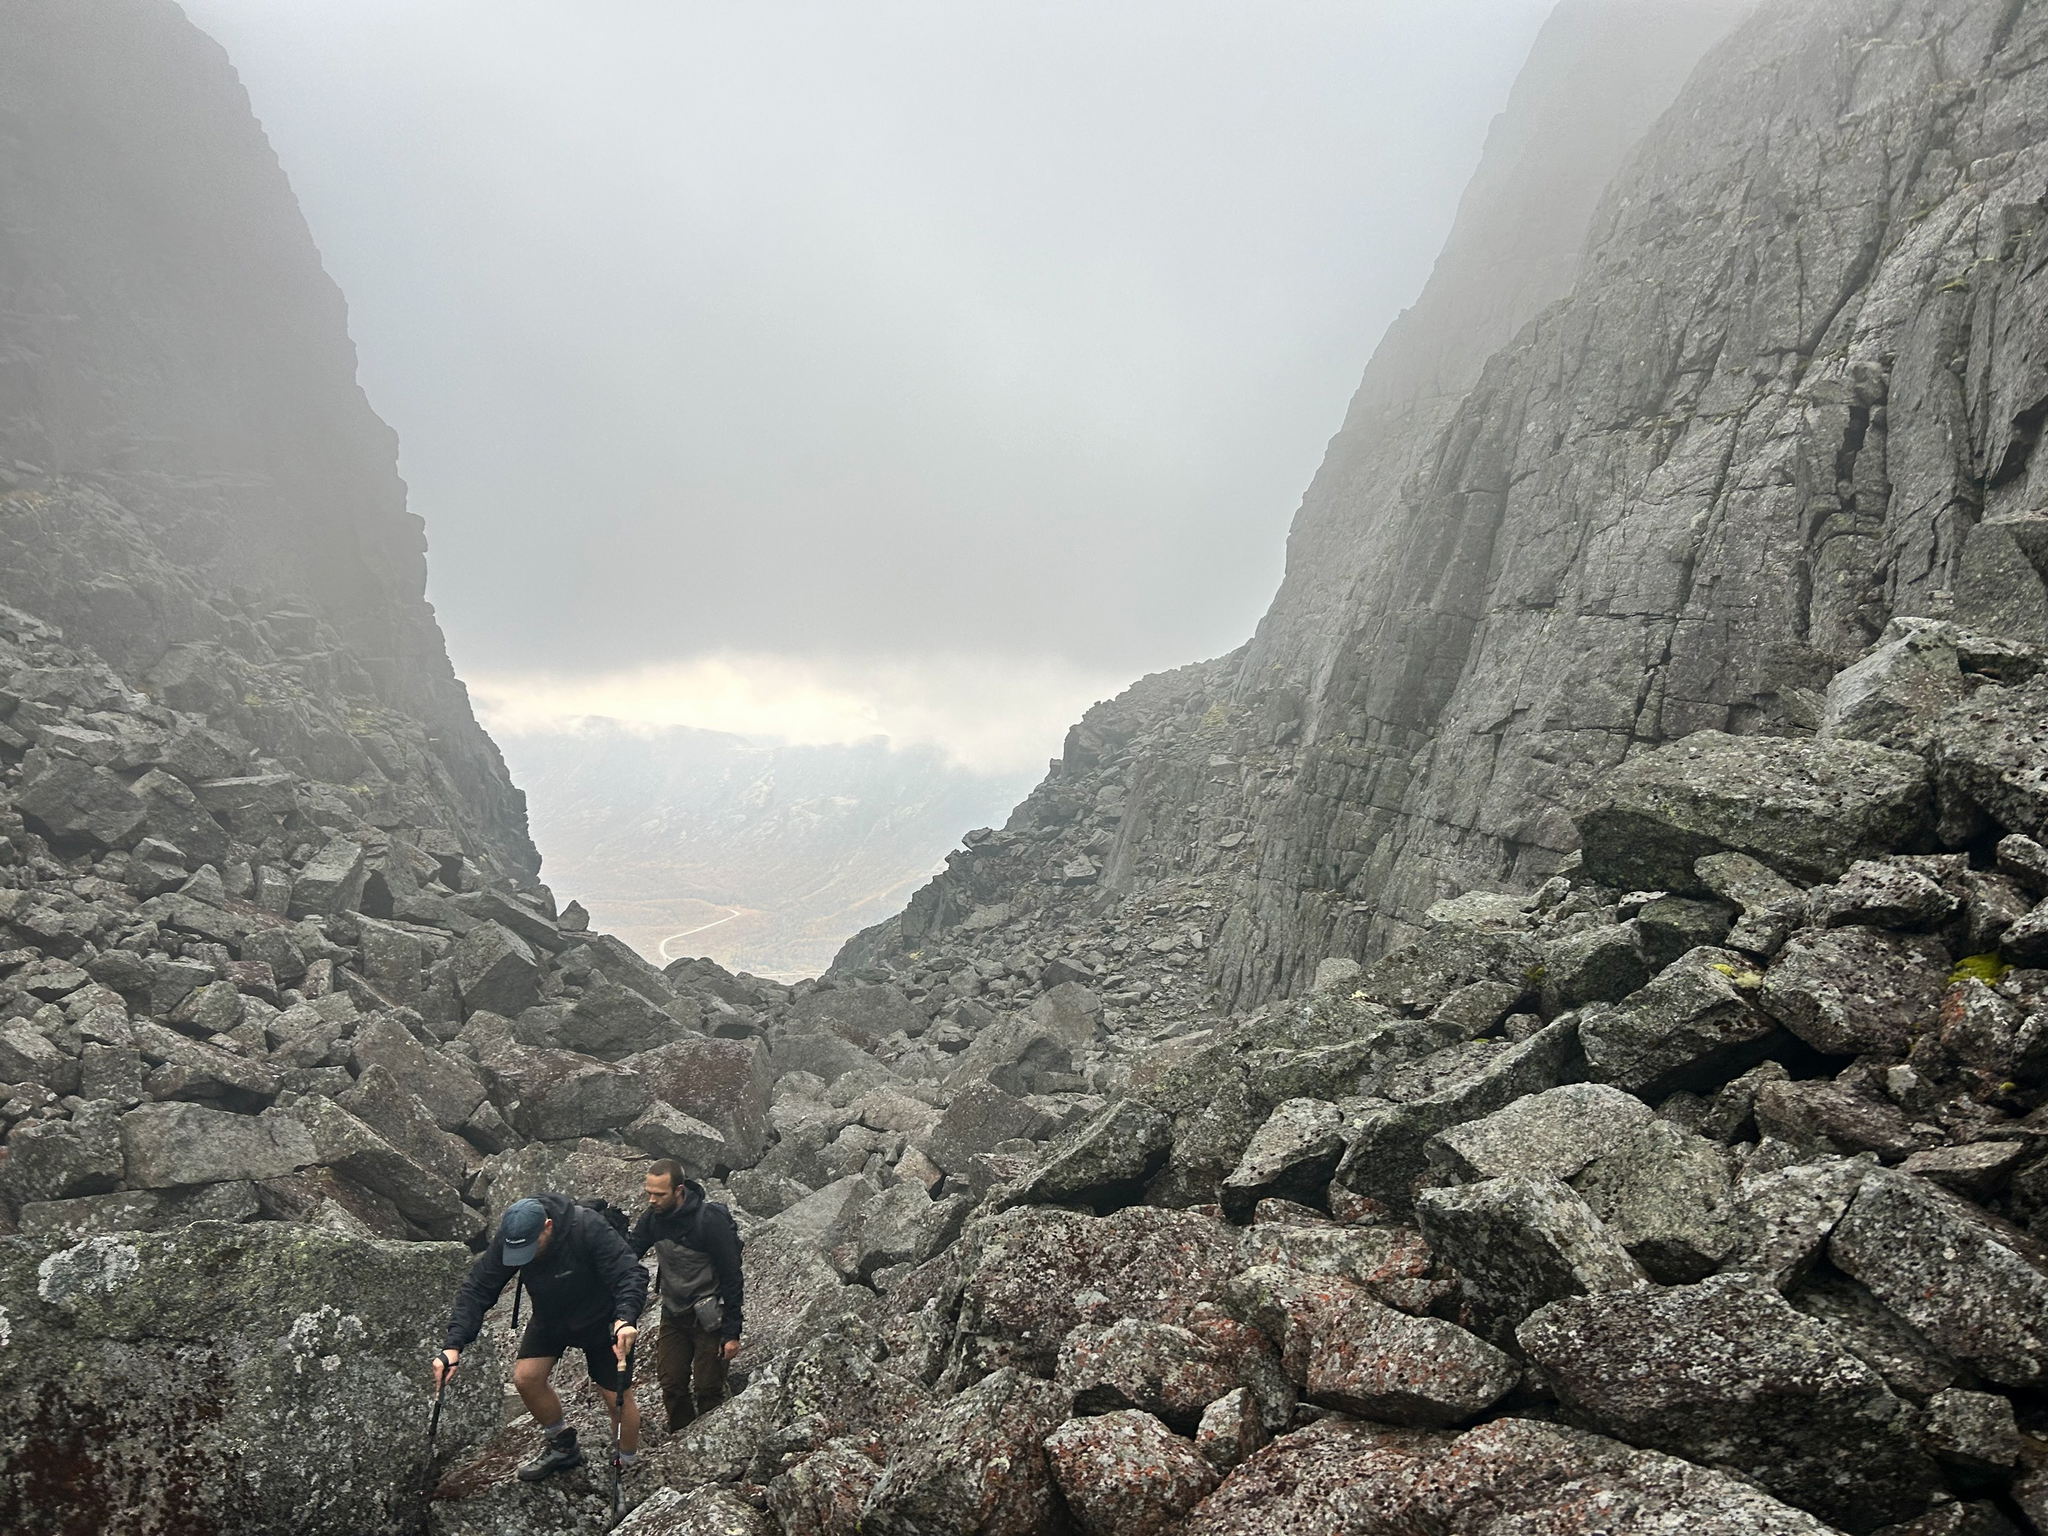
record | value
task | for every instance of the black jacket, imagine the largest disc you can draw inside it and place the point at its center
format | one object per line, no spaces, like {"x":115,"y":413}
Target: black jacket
{"x":706,"y":1227}
{"x":587,"y":1277}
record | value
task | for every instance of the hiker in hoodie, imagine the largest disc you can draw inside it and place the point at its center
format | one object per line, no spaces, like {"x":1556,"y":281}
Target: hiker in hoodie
{"x":587,"y":1290}
{"x":701,"y":1290}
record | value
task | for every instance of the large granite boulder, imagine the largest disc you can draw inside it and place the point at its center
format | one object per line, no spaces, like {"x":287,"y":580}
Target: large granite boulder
{"x":1975,"y":1286}
{"x":1692,"y":1027}
{"x":1510,"y":1475}
{"x":445,"y":1085}
{"x":1727,"y":1373}
{"x":975,"y":1462}
{"x":1518,"y":1243}
{"x":724,"y":1083}
{"x":496,"y":971}
{"x":1024,"y":1270}
{"x":230,"y":1379}
{"x":1126,"y":1474}
{"x":1808,"y":809}
{"x":559,"y":1095}
{"x":165,"y":1146}
{"x":610,"y":1021}
{"x":1992,"y":752}
{"x":861,"y":1016}
{"x":1845,"y":991}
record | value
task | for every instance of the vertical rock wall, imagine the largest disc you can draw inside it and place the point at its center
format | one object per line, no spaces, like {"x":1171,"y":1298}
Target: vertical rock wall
{"x":191,"y":481}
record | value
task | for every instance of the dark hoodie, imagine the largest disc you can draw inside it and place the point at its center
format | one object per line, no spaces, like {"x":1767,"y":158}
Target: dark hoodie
{"x":586,"y":1278}
{"x":707,"y":1227}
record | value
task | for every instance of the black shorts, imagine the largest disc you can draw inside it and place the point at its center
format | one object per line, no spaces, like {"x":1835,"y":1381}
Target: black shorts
{"x":540,"y":1342}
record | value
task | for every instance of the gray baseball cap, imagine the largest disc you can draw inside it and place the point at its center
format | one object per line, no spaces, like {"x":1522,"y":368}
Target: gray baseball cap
{"x":520,"y":1231}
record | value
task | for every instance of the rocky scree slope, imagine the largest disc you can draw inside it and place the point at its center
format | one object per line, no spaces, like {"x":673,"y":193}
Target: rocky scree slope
{"x":192,"y":486}
{"x":1704,"y":1184}
{"x":1792,"y":395}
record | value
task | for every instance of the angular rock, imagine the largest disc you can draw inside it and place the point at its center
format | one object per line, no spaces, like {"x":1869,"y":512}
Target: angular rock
{"x":1291,"y":1157}
{"x":173,"y":813}
{"x":978,"y":1118}
{"x":138,"y":1210}
{"x":666,"y":1131}
{"x":1808,"y":809}
{"x":1976,"y":1170}
{"x":68,"y":800}
{"x":707,"y":1510}
{"x":1554,"y":1133}
{"x":1601,"y":965}
{"x":1891,"y":695}
{"x":1393,"y":1263}
{"x":1367,"y":1359}
{"x":1972,"y":1430}
{"x":1105,"y":1162}
{"x":348,"y":1146}
{"x":61,"y":1159}
{"x":1851,"y":990}
{"x":559,"y":1095}
{"x":1726,"y":1373}
{"x":1133,"y":1363}
{"x":724,"y":1083}
{"x":907,"y":1226}
{"x":1887,"y":893}
{"x":1820,"y":1116}
{"x":1991,"y":750}
{"x":974,"y":1463}
{"x":381,"y":1103}
{"x":1126,"y":1474}
{"x":1673,"y":926}
{"x":823,"y":1494}
{"x":1668,"y":1197}
{"x":2026,"y":941}
{"x":1231,"y":1428}
{"x":1694,"y":1026}
{"x":1787,"y":1216}
{"x":332,"y":881}
{"x":1022,"y":1271}
{"x":1387,"y":1153}
{"x":1974,"y":1286}
{"x":610,"y":1021}
{"x":1519,"y":1243}
{"x":861,"y":1016}
{"x":166,"y":1145}
{"x":537,"y":1168}
{"x":319,"y":1321}
{"x":445,"y":1085}
{"x":26,"y":1056}
{"x":495,"y":969}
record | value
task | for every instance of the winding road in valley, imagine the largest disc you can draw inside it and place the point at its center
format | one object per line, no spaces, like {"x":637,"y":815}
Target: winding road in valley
{"x":661,"y":949}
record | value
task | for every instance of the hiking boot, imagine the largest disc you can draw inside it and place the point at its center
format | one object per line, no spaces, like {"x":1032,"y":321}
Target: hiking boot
{"x":559,"y":1453}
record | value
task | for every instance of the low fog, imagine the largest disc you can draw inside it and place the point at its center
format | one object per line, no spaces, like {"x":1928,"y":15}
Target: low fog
{"x":818,"y":372}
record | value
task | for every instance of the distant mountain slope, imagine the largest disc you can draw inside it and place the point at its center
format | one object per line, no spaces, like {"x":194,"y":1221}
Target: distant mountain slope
{"x":785,"y":849}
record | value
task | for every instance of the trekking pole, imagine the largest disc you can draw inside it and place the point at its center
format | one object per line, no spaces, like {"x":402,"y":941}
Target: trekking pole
{"x":434,"y":1422}
{"x":618,"y":1418}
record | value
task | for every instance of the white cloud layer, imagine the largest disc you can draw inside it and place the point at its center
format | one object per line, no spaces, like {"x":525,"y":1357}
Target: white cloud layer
{"x":986,"y":714}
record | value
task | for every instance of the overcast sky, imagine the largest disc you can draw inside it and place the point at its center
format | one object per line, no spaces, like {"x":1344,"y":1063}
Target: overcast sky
{"x":824,"y":369}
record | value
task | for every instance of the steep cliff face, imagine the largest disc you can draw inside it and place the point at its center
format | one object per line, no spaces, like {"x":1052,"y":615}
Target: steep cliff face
{"x":1792,"y":396}
{"x":1197,"y":768}
{"x":191,"y":481}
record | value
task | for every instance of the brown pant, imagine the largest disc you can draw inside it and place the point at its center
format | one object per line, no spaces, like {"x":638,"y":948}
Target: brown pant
{"x":690,"y":1363}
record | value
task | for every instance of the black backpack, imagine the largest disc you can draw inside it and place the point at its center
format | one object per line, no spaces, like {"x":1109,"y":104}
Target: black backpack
{"x":621,"y":1223}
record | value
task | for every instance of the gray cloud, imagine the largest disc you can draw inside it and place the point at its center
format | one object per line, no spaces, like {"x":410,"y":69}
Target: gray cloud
{"x":867,"y":333}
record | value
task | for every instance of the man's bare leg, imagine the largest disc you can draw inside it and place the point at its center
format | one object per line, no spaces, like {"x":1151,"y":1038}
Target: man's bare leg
{"x":530,"y":1378}
{"x":629,"y":1426}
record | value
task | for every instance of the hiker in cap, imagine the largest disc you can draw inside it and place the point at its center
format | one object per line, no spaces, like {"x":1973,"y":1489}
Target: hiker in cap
{"x":701,"y":1290}
{"x":587,"y":1289}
